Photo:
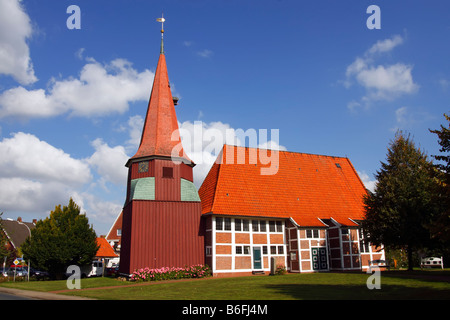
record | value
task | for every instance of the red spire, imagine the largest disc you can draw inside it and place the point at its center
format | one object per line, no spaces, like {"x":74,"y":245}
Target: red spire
{"x":160,"y":135}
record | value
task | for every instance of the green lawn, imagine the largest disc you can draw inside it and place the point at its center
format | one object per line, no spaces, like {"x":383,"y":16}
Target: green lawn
{"x":394,"y":285}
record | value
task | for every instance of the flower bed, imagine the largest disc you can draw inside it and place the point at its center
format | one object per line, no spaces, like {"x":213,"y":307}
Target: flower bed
{"x":147,"y":274}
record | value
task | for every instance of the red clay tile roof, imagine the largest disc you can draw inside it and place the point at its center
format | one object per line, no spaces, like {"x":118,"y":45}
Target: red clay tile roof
{"x":306,"y":187}
{"x":105,"y":249}
{"x":161,"y":120}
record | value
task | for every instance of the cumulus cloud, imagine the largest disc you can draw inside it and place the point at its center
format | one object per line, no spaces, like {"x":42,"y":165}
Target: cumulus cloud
{"x":25,"y":156}
{"x":385,"y":45}
{"x":100,"y":89}
{"x":381,"y":82}
{"x":15,"y":30}
{"x":368,"y":183}
{"x":135,"y":125}
{"x":35,"y":175}
{"x":109,"y":162}
{"x":96,"y":208}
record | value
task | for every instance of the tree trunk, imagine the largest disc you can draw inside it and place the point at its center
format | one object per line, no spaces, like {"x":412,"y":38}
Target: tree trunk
{"x":410,"y":258}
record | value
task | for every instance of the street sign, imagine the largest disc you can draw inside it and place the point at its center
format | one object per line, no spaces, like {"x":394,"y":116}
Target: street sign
{"x":16,"y":262}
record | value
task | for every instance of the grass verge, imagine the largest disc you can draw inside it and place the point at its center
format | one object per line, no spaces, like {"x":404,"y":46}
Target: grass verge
{"x":323,"y":286}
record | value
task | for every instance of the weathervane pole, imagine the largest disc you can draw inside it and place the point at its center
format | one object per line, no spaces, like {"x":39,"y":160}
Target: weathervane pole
{"x":162,"y":31}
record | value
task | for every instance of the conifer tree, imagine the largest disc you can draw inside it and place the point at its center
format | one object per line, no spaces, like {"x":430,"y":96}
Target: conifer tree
{"x":440,"y":227}
{"x":62,"y":239}
{"x":401,"y":206}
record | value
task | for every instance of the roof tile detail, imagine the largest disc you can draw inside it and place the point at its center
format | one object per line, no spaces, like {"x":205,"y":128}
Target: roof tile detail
{"x":306,"y":187}
{"x":160,"y":135}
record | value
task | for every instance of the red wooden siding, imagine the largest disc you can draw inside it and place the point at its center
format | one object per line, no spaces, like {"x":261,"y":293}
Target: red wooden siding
{"x":167,"y":189}
{"x":162,"y":234}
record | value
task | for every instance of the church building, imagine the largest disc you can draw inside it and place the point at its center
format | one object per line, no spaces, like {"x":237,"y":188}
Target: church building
{"x":305,"y":217}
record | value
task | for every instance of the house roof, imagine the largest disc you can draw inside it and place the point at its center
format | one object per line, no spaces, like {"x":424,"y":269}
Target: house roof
{"x":17,"y":231}
{"x":105,"y":250}
{"x":112,"y":233}
{"x":160,"y":135}
{"x":307,"y":188}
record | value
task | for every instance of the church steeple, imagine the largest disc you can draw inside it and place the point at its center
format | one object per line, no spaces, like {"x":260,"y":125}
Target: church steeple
{"x":162,"y":213}
{"x":162,"y":32}
{"x":160,"y":135}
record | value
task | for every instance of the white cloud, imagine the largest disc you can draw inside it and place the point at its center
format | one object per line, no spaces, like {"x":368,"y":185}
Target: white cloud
{"x":385,"y":45}
{"x":135,"y":125}
{"x":206,"y":53}
{"x":368,"y":183}
{"x":109,"y":162}
{"x":15,"y":30}
{"x":99,"y":90}
{"x":407,"y":118}
{"x":381,"y":82}
{"x":37,"y":197}
{"x":96,"y":208}
{"x":35,"y":175}
{"x":25,"y":156}
{"x":79,"y":53}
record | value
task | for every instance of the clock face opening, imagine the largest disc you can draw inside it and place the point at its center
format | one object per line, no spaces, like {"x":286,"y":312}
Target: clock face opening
{"x":143,"y":166}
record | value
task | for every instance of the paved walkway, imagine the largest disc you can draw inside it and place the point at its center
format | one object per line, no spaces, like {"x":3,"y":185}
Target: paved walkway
{"x":39,"y":295}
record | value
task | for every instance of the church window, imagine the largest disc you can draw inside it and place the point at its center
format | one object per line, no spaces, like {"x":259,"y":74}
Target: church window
{"x":272,"y":226}
{"x":279,"y":226}
{"x":262,"y":225}
{"x":245,"y":225}
{"x":237,"y":224}
{"x":219,"y":223}
{"x":255,"y":225}
{"x":227,"y":224}
{"x":167,"y":172}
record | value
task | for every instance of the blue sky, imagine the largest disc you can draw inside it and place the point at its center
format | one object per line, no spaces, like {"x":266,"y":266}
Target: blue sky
{"x":72,"y":101}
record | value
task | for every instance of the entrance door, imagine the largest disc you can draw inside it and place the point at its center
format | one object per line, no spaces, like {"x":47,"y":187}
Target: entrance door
{"x":257,"y":259}
{"x":319,"y":258}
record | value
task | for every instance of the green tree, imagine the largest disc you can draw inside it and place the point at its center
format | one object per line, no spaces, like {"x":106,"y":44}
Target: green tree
{"x":440,"y":227}
{"x":65,"y":238}
{"x":3,"y":250}
{"x":401,"y":206}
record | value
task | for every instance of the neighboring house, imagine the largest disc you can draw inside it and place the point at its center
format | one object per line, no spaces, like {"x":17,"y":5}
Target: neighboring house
{"x":114,"y":236}
{"x":105,"y":252}
{"x":307,"y":215}
{"x":16,"y":232}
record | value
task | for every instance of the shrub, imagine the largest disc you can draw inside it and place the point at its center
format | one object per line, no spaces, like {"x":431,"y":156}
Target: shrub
{"x":165,"y":273}
{"x":280,"y":270}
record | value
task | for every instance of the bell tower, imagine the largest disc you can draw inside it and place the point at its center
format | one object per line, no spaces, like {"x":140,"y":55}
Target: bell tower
{"x":162,"y":210}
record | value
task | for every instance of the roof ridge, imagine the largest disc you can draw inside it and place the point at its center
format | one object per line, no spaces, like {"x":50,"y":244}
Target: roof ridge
{"x":287,"y":151}
{"x":218,"y":176}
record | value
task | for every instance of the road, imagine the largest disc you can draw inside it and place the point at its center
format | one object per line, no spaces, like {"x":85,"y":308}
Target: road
{"x":16,"y":294}
{"x":7,"y":296}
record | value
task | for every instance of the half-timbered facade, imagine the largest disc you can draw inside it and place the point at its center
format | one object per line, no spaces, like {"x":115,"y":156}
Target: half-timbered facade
{"x":305,"y":217}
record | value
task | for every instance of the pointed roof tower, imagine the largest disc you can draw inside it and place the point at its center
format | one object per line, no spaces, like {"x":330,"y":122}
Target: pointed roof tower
{"x":160,"y":135}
